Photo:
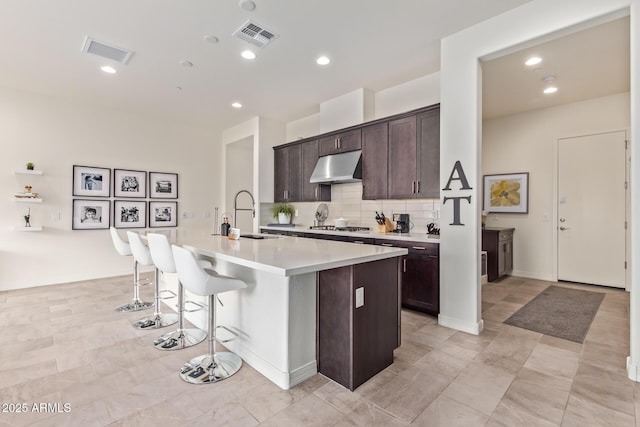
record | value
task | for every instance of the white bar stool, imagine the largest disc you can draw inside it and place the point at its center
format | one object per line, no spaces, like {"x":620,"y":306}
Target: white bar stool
{"x":211,"y":367}
{"x":162,"y":257}
{"x":142,"y":255}
{"x":124,"y":249}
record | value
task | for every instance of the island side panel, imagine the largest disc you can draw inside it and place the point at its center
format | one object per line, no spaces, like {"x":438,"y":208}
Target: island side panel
{"x":375,"y":323}
{"x":355,"y":343}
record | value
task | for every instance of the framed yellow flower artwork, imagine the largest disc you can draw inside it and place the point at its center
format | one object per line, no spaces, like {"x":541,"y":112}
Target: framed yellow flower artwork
{"x":507,"y":193}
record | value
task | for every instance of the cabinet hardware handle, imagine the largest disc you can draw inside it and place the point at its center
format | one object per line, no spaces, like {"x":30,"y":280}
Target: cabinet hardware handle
{"x":335,"y":143}
{"x":420,"y":248}
{"x":418,"y":187}
{"x":404,"y":265}
{"x":286,"y":194}
{"x":358,"y":241}
{"x":316,"y":192}
{"x":413,"y":186}
{"x":339,"y":143}
{"x":386,"y":244}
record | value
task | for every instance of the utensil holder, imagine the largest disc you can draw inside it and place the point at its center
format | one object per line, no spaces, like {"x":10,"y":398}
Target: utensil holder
{"x":387,"y":227}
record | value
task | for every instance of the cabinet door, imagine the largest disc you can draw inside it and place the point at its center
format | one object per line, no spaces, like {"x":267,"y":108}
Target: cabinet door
{"x":402,"y":158}
{"x":312,"y":192}
{"x":341,"y":142}
{"x":428,"y":185}
{"x":295,"y":173}
{"x":421,"y":283}
{"x":375,"y":145}
{"x":281,"y":174}
{"x":287,"y":182}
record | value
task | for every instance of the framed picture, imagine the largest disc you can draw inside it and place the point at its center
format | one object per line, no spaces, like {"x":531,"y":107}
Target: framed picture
{"x":91,"y":214}
{"x":91,"y":181}
{"x":163,"y":214}
{"x":163,"y":185}
{"x":507,"y":193}
{"x":129,"y":214}
{"x":128,"y":183}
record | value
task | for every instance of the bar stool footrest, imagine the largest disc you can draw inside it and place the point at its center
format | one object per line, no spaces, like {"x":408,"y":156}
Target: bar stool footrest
{"x":193,"y":310}
{"x":225,"y":340}
{"x":167,"y":291}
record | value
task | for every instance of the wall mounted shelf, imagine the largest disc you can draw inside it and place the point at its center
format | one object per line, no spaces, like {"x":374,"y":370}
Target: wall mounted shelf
{"x":28,"y":200}
{"x":27,"y":229}
{"x":28,"y":172}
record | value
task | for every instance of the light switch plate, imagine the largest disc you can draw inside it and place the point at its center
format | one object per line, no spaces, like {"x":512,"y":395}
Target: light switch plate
{"x":359,"y":297}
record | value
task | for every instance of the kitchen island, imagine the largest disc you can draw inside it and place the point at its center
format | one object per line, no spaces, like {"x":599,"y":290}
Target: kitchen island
{"x":283,"y":319}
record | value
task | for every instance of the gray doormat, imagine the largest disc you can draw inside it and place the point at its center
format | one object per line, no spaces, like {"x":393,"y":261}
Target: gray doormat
{"x":560,"y":312}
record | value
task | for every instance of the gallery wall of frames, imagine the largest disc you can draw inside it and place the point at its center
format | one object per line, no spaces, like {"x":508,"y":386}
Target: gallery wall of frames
{"x":124,"y":198}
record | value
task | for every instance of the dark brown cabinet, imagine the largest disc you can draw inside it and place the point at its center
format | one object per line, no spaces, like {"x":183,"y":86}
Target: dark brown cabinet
{"x":420,"y":275}
{"x":414,"y":156}
{"x":428,"y":184}
{"x":498,"y":242}
{"x":355,"y":342}
{"x":375,"y":146}
{"x":402,"y":158}
{"x":312,"y":192}
{"x":287,"y":173}
{"x":341,"y":142}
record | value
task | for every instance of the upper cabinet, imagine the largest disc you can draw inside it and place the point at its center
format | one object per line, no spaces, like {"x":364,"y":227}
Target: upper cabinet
{"x":428,"y":185}
{"x":375,"y":146}
{"x":414,"y":156}
{"x":288,"y":173}
{"x":400,"y":159}
{"x":312,"y":192}
{"x":341,"y":142}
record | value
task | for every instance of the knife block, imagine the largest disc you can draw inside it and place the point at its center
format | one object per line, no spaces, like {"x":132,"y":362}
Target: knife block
{"x":387,"y":227}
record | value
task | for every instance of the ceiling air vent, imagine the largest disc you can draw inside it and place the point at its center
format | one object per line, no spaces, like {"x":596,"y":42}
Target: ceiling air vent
{"x":254,"y":34}
{"x":106,"y":50}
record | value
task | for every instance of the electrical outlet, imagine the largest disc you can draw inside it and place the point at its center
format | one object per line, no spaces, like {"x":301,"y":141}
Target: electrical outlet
{"x":359,"y":297}
{"x":296,"y":212}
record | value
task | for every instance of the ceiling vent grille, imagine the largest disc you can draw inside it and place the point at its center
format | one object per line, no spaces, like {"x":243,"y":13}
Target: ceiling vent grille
{"x":106,"y":50}
{"x":254,"y":34}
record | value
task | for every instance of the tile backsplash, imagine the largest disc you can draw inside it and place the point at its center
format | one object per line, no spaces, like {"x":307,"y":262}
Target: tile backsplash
{"x":346,"y":202}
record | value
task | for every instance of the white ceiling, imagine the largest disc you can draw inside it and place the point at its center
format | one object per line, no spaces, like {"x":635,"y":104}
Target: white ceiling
{"x":588,"y":63}
{"x":373,"y":44}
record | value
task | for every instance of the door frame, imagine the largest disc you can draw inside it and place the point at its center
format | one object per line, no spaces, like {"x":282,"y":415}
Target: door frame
{"x":556,"y":182}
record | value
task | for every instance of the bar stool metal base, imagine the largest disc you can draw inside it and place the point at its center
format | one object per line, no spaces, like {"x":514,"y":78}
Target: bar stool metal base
{"x":134,"y":306}
{"x":156,"y":321}
{"x":201,"y":370}
{"x":179,"y":339}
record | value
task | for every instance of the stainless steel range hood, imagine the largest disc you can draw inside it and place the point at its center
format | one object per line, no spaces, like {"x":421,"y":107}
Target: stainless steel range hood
{"x":337,"y":168}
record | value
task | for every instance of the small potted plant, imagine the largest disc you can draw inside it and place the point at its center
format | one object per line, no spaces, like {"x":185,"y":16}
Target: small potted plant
{"x":30,"y":166}
{"x":283,"y":212}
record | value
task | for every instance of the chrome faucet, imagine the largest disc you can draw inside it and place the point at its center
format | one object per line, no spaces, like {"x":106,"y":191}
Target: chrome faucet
{"x":236,"y":209}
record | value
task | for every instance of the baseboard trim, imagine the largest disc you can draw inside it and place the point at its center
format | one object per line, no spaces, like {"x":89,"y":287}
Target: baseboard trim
{"x":632,"y":370}
{"x":531,"y":275}
{"x":461,"y":325}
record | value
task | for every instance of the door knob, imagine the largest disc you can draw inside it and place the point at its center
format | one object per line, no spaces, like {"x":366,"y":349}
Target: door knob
{"x":562,"y":220}
{"x":564,"y":228}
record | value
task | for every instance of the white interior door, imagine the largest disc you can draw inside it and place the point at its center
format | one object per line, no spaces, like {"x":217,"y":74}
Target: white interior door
{"x":591,"y":209}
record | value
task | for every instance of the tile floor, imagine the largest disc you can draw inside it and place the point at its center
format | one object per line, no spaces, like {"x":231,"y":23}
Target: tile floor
{"x":64,"y":344}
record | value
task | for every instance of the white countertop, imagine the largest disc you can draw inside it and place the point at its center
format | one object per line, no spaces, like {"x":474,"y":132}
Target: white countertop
{"x":415,"y":237}
{"x":283,"y":255}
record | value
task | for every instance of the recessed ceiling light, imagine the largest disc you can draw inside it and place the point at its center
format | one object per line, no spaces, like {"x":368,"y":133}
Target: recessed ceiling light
{"x":186,"y":64}
{"x":550,"y":89}
{"x":323,"y":60}
{"x":247,"y":54}
{"x":211,"y":38}
{"x":236,"y":105}
{"x":108,"y":69}
{"x":247,"y":5}
{"x":534,"y":60}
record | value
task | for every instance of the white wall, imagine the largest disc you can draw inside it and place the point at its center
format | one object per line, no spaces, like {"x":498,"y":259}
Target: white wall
{"x":239,"y":176}
{"x":57,"y":135}
{"x":527,"y":142}
{"x":408,"y":96}
{"x":461,"y":134}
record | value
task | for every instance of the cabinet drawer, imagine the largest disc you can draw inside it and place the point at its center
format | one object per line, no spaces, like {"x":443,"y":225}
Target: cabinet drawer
{"x":505,"y":235}
{"x":420,"y":248}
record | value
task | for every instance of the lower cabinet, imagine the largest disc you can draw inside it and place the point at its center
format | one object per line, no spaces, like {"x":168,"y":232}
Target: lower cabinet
{"x":420,"y":275}
{"x":498,"y":242}
{"x":356,"y":341}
